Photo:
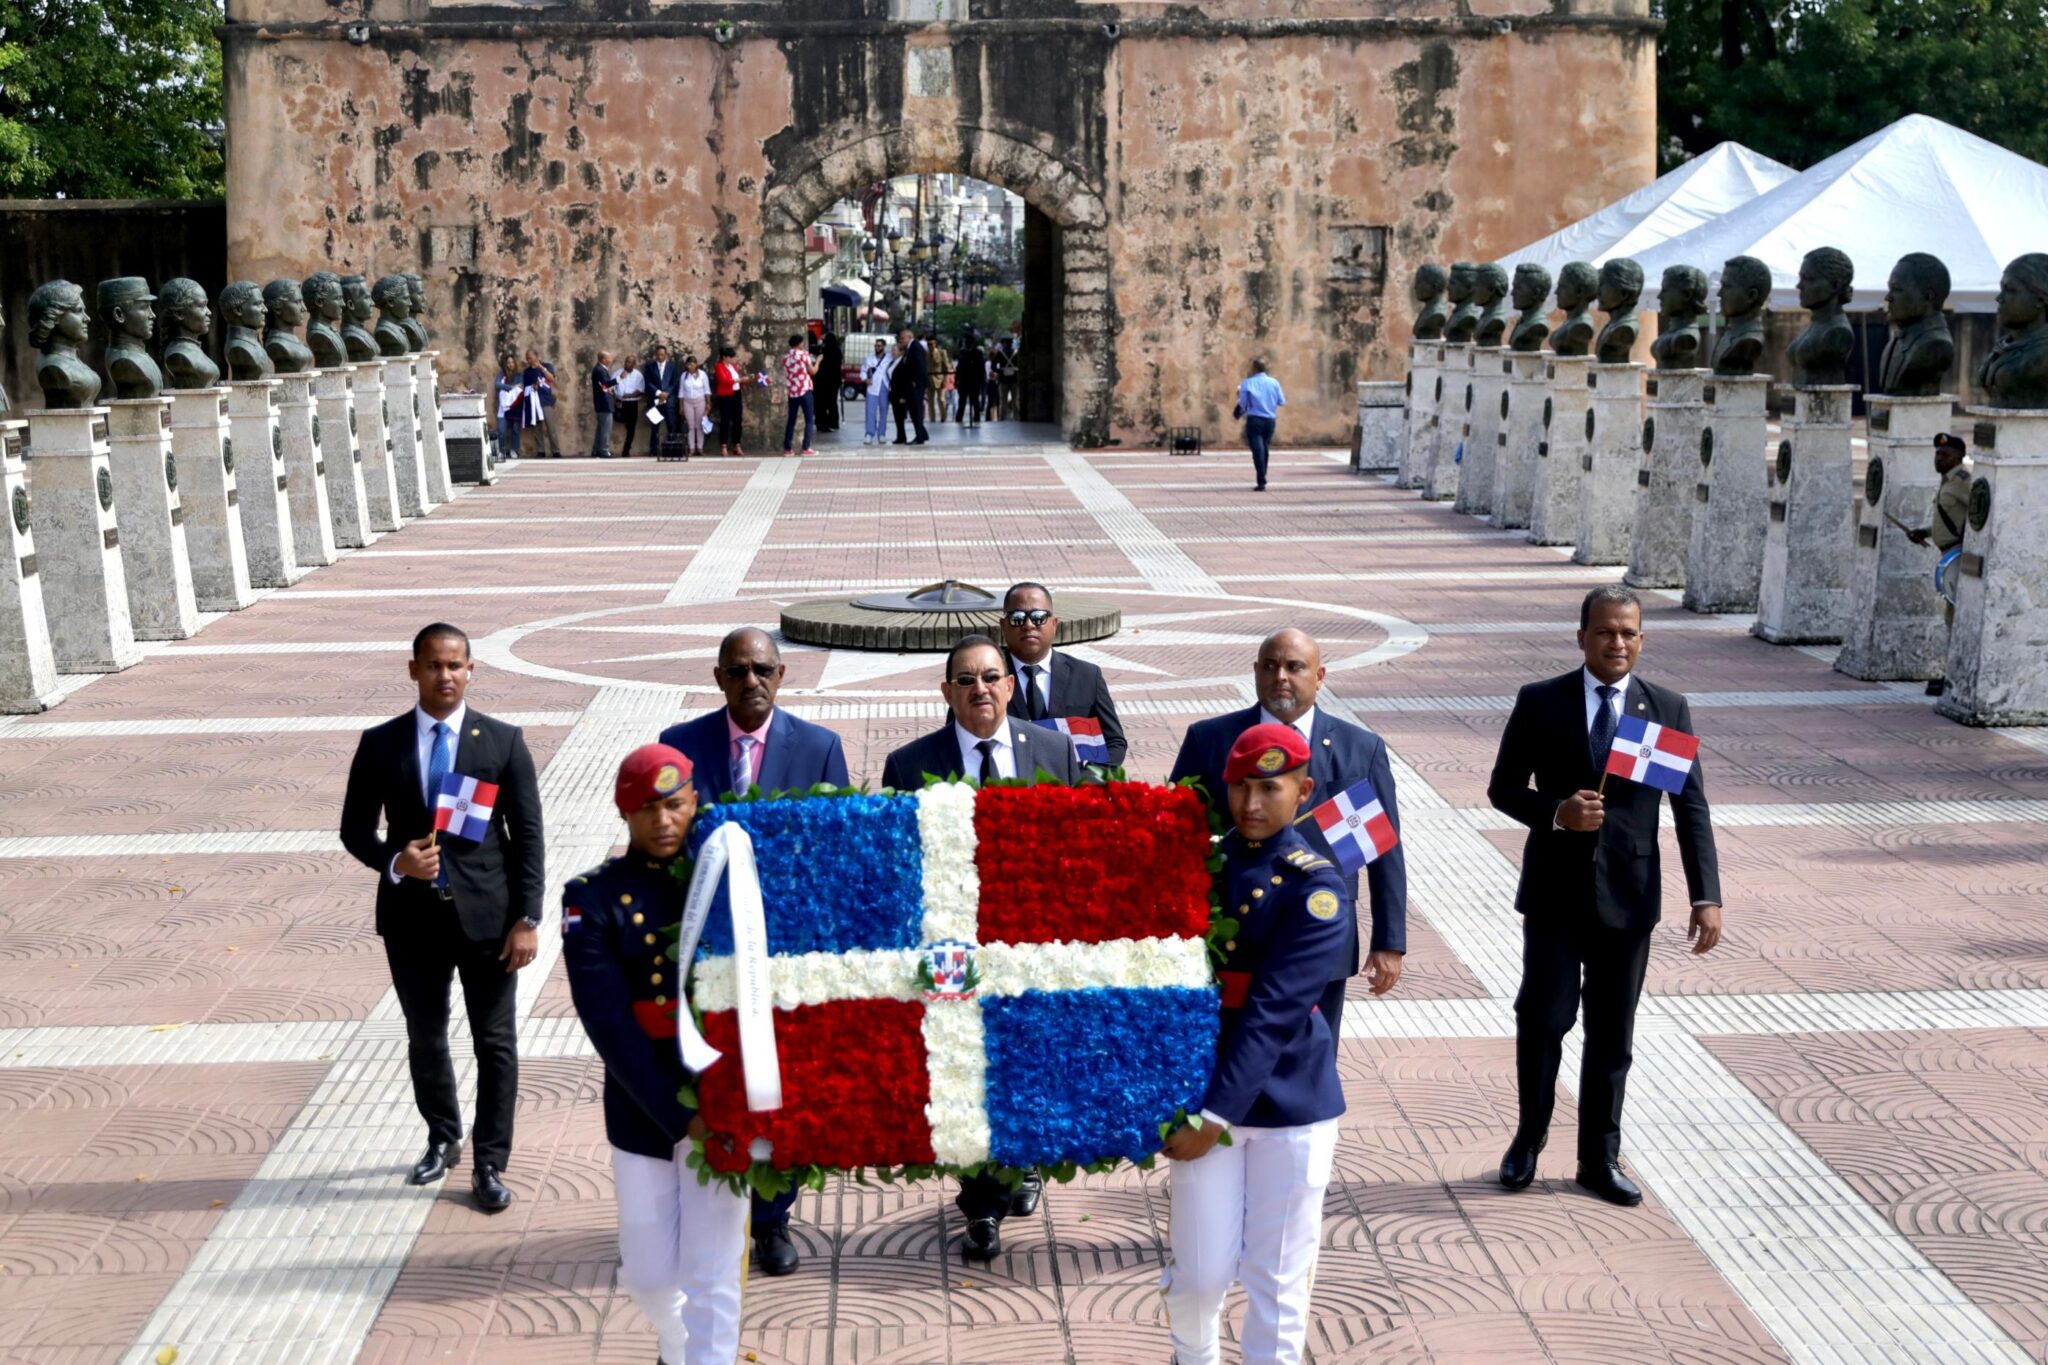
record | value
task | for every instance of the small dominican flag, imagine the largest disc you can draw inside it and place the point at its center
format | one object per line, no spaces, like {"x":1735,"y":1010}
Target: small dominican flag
{"x":463,"y":807}
{"x":1089,"y":746}
{"x":1644,"y":751}
{"x":1356,"y":826}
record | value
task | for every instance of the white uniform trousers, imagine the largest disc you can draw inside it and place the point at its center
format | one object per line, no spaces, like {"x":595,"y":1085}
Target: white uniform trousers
{"x":1252,"y":1211}
{"x":682,"y":1252}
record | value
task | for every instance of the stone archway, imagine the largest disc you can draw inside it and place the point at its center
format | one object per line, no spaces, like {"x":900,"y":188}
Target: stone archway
{"x":831,"y":167}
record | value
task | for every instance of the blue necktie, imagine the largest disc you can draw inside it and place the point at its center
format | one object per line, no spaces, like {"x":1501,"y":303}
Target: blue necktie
{"x":439,"y":763}
{"x":1603,"y":724}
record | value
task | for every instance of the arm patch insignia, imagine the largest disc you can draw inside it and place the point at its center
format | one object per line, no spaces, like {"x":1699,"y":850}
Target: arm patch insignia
{"x":1323,"y":904}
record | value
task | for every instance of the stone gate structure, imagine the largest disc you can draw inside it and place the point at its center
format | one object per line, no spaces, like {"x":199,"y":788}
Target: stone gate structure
{"x":1215,"y":180}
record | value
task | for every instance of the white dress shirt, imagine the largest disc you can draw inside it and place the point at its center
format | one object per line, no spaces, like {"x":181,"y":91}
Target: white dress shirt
{"x":632,"y":386}
{"x":1615,"y":702}
{"x":1305,"y":724}
{"x":696,"y":385}
{"x":970,"y":752}
{"x":1043,"y":682}
{"x":423,"y":740}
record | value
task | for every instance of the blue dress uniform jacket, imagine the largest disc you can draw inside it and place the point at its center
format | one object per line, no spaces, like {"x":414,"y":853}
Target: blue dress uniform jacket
{"x":1276,"y":1066}
{"x":626,"y":992}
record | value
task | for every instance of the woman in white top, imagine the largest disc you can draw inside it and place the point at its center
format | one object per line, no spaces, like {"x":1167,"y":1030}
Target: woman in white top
{"x":874,"y":376}
{"x":627,"y":398}
{"x":694,"y":388}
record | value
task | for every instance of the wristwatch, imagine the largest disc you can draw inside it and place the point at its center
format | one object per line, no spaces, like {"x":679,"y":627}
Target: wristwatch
{"x":530,"y":921}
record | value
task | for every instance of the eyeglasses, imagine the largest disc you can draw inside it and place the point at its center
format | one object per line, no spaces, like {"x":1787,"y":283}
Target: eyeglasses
{"x":987,"y":679}
{"x":1036,"y":617}
{"x":739,"y":672}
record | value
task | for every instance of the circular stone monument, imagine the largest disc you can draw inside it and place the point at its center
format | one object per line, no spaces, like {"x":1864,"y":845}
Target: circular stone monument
{"x":933,"y":617}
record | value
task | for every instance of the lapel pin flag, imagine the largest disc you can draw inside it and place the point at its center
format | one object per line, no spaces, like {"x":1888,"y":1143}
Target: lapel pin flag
{"x":462,"y":807}
{"x":1655,"y":755}
{"x":1086,"y":734}
{"x":1355,"y":826}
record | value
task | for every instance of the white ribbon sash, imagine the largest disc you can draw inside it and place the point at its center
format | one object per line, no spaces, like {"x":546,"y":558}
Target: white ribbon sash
{"x":729,"y":853}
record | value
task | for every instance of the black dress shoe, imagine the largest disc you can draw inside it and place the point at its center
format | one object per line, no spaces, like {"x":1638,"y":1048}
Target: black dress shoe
{"x":1518,"y":1166}
{"x":984,"y":1240}
{"x":1024,"y":1199}
{"x":434,"y":1163}
{"x":1607,"y":1181}
{"x":491,"y":1194}
{"x":774,"y":1250}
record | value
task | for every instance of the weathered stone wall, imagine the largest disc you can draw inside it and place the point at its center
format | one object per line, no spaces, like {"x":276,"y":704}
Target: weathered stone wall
{"x":1226,"y":181}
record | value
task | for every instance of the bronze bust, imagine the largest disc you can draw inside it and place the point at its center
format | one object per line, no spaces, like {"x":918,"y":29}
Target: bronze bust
{"x":1681,"y":299}
{"x":1428,"y":289}
{"x":1820,"y":354}
{"x":57,"y":327}
{"x":1531,"y":291}
{"x":1917,"y":357}
{"x":1490,"y":293}
{"x":322,"y":293}
{"x":1578,"y":284}
{"x":415,"y":323}
{"x":1745,"y":289}
{"x":125,"y":311}
{"x":184,"y":323}
{"x":358,"y":308}
{"x":284,"y":311}
{"x":241,"y":306}
{"x":1464,"y":312}
{"x":2015,"y":374}
{"x":394,"y":304}
{"x":1621,"y":288}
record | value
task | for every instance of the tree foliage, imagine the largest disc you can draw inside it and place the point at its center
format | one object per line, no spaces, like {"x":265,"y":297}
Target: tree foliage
{"x":1801,"y":79}
{"x":110,"y":99}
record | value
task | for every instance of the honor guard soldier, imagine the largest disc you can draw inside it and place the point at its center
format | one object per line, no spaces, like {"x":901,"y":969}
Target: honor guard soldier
{"x":1252,"y":1210}
{"x":682,"y":1245}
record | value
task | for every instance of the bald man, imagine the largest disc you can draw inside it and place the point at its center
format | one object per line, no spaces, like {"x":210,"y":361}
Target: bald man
{"x":1288,"y":675}
{"x":749,"y":743}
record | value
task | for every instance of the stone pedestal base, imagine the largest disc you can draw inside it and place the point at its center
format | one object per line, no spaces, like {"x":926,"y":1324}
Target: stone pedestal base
{"x":402,"y":426}
{"x":433,"y":430}
{"x":380,"y":480}
{"x":28,"y":666}
{"x":1483,"y":425}
{"x":1724,"y":560}
{"x":305,"y":472}
{"x":1561,"y":455}
{"x":265,"y":487}
{"x":1661,"y":537}
{"x":1803,"y":597}
{"x":1453,"y":408}
{"x":1896,"y":625}
{"x":471,"y":451}
{"x":150,"y":519}
{"x":207,"y":491}
{"x":1514,"y":478}
{"x":1607,"y":482}
{"x":1998,"y":651}
{"x":1381,"y":427}
{"x":348,"y":500}
{"x":78,"y":548}
{"x":1425,"y":366}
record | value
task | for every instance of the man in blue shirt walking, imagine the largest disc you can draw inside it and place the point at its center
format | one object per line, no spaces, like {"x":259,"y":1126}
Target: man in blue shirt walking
{"x":1259,"y":401}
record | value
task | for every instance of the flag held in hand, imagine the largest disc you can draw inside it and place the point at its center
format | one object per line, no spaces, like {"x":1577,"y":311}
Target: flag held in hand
{"x":462,"y":807}
{"x":1653,"y":754}
{"x":1086,"y":734}
{"x":1356,"y":826}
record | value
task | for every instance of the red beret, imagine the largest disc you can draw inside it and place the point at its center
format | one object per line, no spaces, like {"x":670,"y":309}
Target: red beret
{"x":1265,"y":751}
{"x":649,"y":773}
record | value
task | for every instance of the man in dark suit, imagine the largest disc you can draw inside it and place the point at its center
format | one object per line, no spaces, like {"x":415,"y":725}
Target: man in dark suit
{"x":1288,"y":676}
{"x":981,"y":742}
{"x":662,"y":376}
{"x":1065,"y":688}
{"x":602,"y":388}
{"x":1591,"y":883}
{"x":908,"y":386}
{"x":452,"y":905}
{"x":749,"y":743}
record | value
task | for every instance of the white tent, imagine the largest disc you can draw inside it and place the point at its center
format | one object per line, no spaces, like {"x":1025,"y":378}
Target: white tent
{"x":1918,"y":185}
{"x":1703,"y":189}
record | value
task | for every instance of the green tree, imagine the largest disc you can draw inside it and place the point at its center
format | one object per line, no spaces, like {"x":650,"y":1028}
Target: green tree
{"x":1801,"y":79}
{"x":999,"y":308}
{"x":110,"y":99}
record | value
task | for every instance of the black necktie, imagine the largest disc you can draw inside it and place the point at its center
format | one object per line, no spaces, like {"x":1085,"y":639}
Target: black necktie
{"x":1603,"y":724}
{"x":988,"y":760}
{"x":1034,"y":703}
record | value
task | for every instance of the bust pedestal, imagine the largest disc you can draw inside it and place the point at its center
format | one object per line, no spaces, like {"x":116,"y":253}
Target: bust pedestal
{"x":28,"y":666}
{"x":471,"y":448}
{"x":1607,"y":482}
{"x":1425,"y":365}
{"x":1896,"y":625}
{"x":1662,"y":535}
{"x":380,"y":481}
{"x":402,"y":426}
{"x":1382,"y":426}
{"x":206,"y":489}
{"x":433,"y":430}
{"x":348,"y":500}
{"x":1561,"y":455}
{"x":1483,"y":431}
{"x":1453,"y":406}
{"x":2000,"y":637}
{"x":151,"y":519}
{"x":1803,"y":597}
{"x":263,"y":483}
{"x":78,"y":550}
{"x":1724,"y":559}
{"x":305,"y":472}
{"x":1514,"y":479}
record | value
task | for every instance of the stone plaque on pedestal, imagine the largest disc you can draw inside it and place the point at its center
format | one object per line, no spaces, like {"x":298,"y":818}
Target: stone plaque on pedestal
{"x":1454,"y":410}
{"x":1483,"y":431}
{"x":78,"y":547}
{"x":1607,"y":482}
{"x":470,"y":447}
{"x":1996,"y":652}
{"x":1661,"y":538}
{"x":1724,"y":559}
{"x":348,"y":501}
{"x":380,"y":481}
{"x":1803,"y":596}
{"x":28,"y":666}
{"x":150,"y":518}
{"x":402,"y":424}
{"x":206,"y":488}
{"x":1514,"y":480}
{"x":1425,"y":365}
{"x":433,"y":430}
{"x":305,"y":471}
{"x":263,"y":483}
{"x":1561,"y":455}
{"x":1381,"y":426}
{"x":1896,"y":628}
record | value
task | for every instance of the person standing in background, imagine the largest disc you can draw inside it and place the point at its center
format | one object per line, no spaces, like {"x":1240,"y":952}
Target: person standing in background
{"x":602,"y":386}
{"x":509,"y":390}
{"x":939,"y":377}
{"x":626,"y":398}
{"x":1950,"y":514}
{"x":970,"y":374}
{"x":693,"y":391}
{"x":799,"y":368}
{"x":832,"y":372}
{"x":874,"y":379}
{"x":726,"y":379}
{"x":538,"y":379}
{"x":907,"y":385}
{"x":1259,"y":401}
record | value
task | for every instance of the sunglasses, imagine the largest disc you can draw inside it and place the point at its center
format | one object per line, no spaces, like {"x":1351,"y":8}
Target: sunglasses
{"x":988,"y":679}
{"x":739,"y":672}
{"x":1036,"y":617}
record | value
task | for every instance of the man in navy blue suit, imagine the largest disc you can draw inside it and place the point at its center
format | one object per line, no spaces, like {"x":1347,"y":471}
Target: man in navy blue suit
{"x":1288,"y":675}
{"x":749,"y":743}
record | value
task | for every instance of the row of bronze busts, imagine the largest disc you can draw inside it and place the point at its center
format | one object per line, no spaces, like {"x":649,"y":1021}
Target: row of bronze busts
{"x":262,"y":331}
{"x":1470,"y":303}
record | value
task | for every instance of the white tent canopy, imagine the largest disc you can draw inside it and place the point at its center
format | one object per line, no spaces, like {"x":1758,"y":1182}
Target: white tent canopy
{"x":1918,"y":185}
{"x":1703,"y":189}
